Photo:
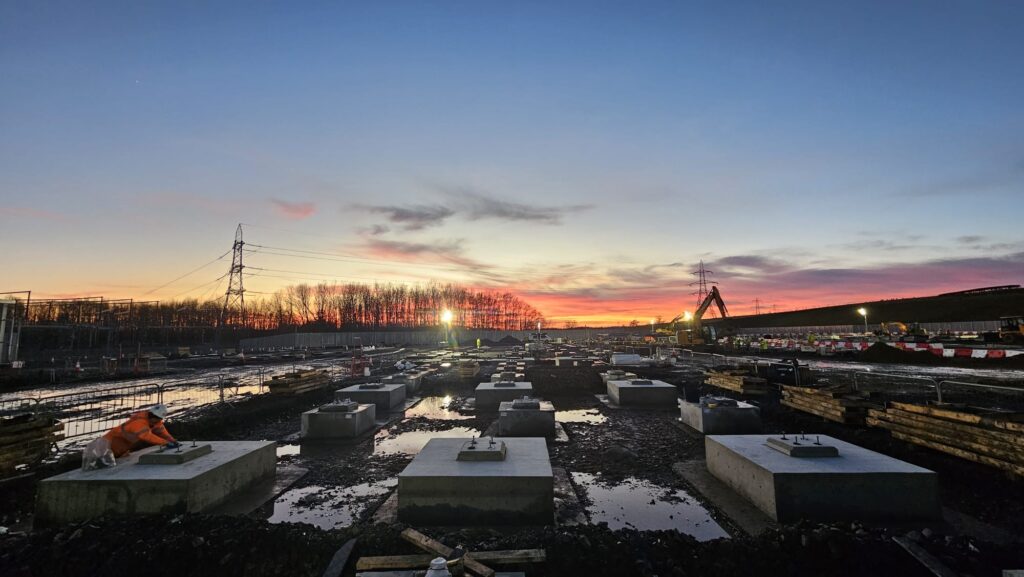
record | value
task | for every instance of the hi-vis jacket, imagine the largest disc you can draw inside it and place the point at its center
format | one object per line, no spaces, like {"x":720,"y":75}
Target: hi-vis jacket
{"x":136,"y":433}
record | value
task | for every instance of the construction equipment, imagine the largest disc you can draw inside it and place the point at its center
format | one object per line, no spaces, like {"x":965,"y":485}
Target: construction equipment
{"x":697,"y":334}
{"x":1011,"y":330}
{"x":900,"y":329}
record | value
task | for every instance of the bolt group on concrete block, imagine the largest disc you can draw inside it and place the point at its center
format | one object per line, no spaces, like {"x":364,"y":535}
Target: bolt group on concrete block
{"x":526,"y":418}
{"x":439,"y":489}
{"x":643,"y":393}
{"x":182,"y":454}
{"x":133,"y":488}
{"x":855,"y":484}
{"x":490,"y":395}
{"x":385,"y":396}
{"x":719,"y":416}
{"x":338,"y":420}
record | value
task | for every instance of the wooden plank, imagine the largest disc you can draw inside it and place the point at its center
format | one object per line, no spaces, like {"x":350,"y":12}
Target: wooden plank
{"x":1015,"y":457}
{"x":37,"y":423}
{"x":1015,"y":469}
{"x":1007,"y":441}
{"x":340,"y":559}
{"x":394,"y":562}
{"x":41,"y":434}
{"x":925,"y":558}
{"x":835,"y":416}
{"x":427,"y":544}
{"x":981,"y":420}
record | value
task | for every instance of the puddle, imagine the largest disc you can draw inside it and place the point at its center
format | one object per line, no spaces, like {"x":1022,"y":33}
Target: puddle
{"x":287,"y":450}
{"x":590,"y":416}
{"x":644,"y":506}
{"x":436,"y":408}
{"x":328,"y":508}
{"x":411,"y":442}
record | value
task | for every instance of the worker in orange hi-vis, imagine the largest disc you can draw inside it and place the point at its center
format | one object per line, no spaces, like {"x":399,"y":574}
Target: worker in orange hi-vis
{"x":143,"y":429}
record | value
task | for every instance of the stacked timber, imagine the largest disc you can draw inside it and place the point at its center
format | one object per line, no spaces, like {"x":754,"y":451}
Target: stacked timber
{"x":25,"y":440}
{"x":468,"y":369}
{"x":738,"y":382}
{"x":987,"y":436}
{"x":836,"y":403}
{"x":298,"y":382}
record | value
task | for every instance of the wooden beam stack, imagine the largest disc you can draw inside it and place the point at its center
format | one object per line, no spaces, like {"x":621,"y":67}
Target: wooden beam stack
{"x":987,"y":436}
{"x":836,"y":403}
{"x":468,"y":369}
{"x":738,"y":382}
{"x":298,"y":382}
{"x":25,"y":440}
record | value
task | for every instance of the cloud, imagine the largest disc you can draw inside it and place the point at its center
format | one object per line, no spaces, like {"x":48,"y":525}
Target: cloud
{"x":450,"y":251}
{"x":22,"y":212}
{"x":970,"y":239}
{"x":477,"y":205}
{"x":375,"y":230}
{"x":294,"y":210}
{"x":415,"y":217}
{"x":995,"y":178}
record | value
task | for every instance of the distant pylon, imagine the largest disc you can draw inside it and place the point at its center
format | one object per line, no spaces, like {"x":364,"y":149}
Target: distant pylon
{"x":757,"y":306}
{"x":236,"y":290}
{"x":702,"y":285}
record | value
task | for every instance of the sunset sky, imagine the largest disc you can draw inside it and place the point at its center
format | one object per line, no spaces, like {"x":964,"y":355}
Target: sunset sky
{"x":585,"y":155}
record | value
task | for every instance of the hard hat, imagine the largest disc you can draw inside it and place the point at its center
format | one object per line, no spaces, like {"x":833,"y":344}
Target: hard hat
{"x":159,"y":411}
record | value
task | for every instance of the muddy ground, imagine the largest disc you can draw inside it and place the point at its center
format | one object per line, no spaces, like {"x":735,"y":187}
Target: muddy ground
{"x":615,"y":446}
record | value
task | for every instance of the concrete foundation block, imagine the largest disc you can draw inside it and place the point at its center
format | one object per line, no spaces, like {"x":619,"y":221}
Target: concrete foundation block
{"x":132,"y":488}
{"x":507,"y":376}
{"x":410,"y":381}
{"x":385,"y":396}
{"x":438,"y":489}
{"x":320,"y":424}
{"x":616,"y":375}
{"x":516,"y":421}
{"x":858,"y":484}
{"x":741,"y":419}
{"x":643,"y":393}
{"x":490,"y":395}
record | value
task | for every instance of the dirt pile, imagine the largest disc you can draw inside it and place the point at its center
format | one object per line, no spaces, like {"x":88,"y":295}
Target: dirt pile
{"x":883,"y":353}
{"x":550,"y":381}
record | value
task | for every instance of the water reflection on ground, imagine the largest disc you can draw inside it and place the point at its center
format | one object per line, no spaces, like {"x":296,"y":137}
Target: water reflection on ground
{"x":645,"y":506}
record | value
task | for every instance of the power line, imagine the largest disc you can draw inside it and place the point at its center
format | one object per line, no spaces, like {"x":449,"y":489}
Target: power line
{"x":195,"y":270}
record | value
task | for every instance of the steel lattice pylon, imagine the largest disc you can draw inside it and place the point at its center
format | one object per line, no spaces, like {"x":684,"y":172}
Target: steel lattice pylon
{"x":236,"y":288}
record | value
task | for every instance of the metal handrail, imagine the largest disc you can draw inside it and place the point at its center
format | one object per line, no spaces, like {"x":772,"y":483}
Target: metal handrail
{"x":938,"y":387}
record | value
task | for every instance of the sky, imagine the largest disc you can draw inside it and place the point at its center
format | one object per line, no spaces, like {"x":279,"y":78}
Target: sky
{"x":584,"y":155}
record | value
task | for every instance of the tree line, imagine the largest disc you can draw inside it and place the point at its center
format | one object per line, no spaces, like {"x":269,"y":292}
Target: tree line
{"x":321,"y":306}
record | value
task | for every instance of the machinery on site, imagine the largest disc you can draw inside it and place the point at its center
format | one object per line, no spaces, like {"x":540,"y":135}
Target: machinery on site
{"x":687,"y":329}
{"x":902,"y":331}
{"x":1011,"y":330}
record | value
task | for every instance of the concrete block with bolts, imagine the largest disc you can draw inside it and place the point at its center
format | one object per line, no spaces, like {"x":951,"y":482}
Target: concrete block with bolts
{"x":643,"y":393}
{"x":385,"y":396}
{"x":490,"y":395}
{"x":438,"y":488}
{"x":338,"y":421}
{"x":526,"y":418}
{"x":728,"y":417}
{"x":133,"y":488}
{"x":854,"y":484}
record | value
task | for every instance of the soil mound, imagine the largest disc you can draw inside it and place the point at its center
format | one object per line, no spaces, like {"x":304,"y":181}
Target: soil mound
{"x":883,"y":353}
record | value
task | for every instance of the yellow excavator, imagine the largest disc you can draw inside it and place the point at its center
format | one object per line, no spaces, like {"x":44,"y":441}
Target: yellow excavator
{"x":696,"y":333}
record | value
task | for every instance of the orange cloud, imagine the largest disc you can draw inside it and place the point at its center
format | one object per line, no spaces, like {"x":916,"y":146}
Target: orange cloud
{"x":294,"y":210}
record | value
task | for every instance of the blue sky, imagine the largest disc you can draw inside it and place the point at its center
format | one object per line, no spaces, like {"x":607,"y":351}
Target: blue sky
{"x":586,"y":155}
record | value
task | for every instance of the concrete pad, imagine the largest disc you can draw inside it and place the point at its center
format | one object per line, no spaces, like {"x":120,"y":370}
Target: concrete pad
{"x":518,"y":419}
{"x":507,"y":376}
{"x":182,"y":454}
{"x":643,"y":393}
{"x":858,"y":484}
{"x":438,"y":489}
{"x":411,"y":380}
{"x":133,"y":488}
{"x":738,"y":509}
{"x":323,"y":423}
{"x":385,"y":396}
{"x":616,"y":375}
{"x":490,"y":395}
{"x":710,"y":418}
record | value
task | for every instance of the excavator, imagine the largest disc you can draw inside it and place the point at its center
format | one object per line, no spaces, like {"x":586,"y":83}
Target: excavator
{"x":696,"y":333}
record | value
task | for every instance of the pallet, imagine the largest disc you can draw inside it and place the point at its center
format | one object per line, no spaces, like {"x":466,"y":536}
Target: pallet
{"x":737,"y":382}
{"x":835,"y":403}
{"x":26,"y":440}
{"x":298,"y":382}
{"x":983,"y":436}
